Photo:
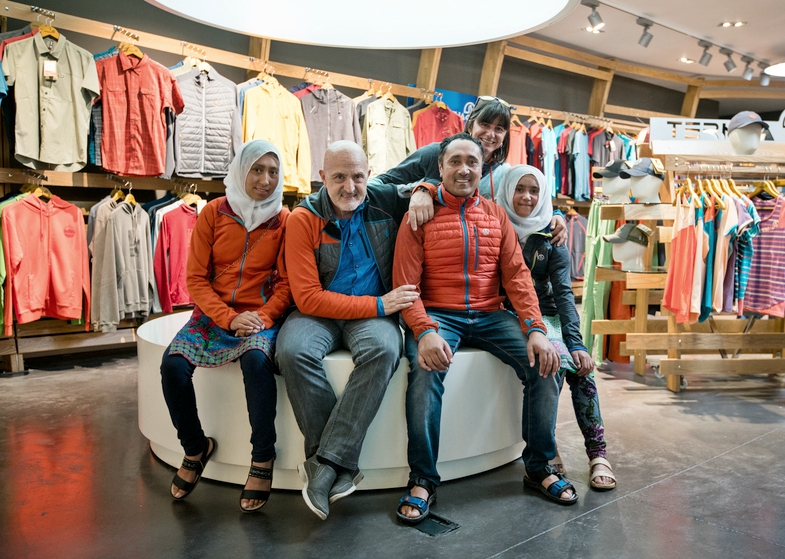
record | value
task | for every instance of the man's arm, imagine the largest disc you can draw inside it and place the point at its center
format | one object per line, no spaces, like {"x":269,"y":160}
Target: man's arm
{"x":407,"y":270}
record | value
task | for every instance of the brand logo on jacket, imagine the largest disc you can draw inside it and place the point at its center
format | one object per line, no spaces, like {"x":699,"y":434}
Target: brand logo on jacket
{"x":69,"y":232}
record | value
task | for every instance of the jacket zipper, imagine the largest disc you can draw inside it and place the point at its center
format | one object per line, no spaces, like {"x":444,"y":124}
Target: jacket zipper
{"x":465,"y":253}
{"x":476,"y":250}
{"x":204,"y":122}
{"x":242,"y":264}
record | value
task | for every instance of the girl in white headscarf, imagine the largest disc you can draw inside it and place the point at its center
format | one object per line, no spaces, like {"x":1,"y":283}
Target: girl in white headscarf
{"x":525,"y":197}
{"x":236,"y":278}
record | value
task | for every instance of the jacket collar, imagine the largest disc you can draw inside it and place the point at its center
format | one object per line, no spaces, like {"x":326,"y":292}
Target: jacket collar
{"x":319,"y":204}
{"x":454,"y":201}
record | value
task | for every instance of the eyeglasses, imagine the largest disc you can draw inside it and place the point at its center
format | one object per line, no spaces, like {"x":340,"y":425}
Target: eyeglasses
{"x":484,"y":99}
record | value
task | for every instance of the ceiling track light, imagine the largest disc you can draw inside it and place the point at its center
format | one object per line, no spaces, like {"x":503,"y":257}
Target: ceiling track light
{"x":748,"y":71}
{"x":765,"y":79}
{"x":646,"y":37}
{"x":729,"y":64}
{"x":594,"y":17}
{"x":706,"y":56}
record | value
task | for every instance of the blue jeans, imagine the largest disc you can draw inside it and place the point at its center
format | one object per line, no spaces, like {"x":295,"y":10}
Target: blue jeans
{"x":499,"y":333}
{"x":334,"y":428}
{"x":260,"y":397}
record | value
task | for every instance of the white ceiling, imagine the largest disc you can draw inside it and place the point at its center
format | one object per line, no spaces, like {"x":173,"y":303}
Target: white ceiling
{"x":360,"y":24}
{"x":762,"y":37}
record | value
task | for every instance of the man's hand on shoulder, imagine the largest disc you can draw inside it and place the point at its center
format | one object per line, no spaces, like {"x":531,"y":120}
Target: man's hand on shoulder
{"x":433,"y":353}
{"x":558,"y":230}
{"x":539,"y":346}
{"x":399,"y":298}
{"x":420,"y":208}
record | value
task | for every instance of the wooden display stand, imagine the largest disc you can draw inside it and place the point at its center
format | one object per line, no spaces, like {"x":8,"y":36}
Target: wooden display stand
{"x":643,"y":288}
{"x":692,"y":348}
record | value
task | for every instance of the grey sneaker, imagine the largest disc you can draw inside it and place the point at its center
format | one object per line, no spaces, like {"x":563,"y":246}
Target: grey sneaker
{"x":345,"y":484}
{"x":317,"y":480}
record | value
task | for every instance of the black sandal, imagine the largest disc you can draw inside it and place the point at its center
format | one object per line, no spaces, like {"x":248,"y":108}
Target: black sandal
{"x":257,"y":494}
{"x":193,"y":466}
{"x":533,"y":480}
{"x":422,"y":505}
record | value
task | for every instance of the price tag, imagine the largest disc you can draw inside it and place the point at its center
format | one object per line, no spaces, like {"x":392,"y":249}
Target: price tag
{"x":657,"y":165}
{"x":50,"y":69}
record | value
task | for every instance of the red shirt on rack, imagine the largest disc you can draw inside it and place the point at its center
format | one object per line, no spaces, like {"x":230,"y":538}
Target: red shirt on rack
{"x":171,"y":257}
{"x":435,"y":124}
{"x":136,"y":93}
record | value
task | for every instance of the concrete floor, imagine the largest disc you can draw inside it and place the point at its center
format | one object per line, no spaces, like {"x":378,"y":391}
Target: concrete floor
{"x":700,"y":476}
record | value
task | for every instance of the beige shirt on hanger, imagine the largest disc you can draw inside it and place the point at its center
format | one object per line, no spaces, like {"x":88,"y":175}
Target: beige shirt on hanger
{"x":387,"y":135}
{"x":55,"y":85}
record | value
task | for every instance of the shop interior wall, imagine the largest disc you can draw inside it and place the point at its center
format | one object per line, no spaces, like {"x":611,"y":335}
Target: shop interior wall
{"x":521,"y":83}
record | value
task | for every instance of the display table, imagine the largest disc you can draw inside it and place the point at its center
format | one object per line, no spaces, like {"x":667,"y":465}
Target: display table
{"x":481,"y":416}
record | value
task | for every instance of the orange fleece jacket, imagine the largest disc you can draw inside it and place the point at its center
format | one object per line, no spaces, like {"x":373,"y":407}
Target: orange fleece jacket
{"x":254,"y":282}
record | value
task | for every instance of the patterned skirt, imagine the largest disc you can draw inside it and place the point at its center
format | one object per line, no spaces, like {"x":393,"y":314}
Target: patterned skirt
{"x":555,"y":336}
{"x":205,"y":344}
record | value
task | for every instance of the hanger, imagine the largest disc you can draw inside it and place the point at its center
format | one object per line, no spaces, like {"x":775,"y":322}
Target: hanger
{"x":686,"y":189}
{"x":117,"y":195}
{"x":129,"y":198}
{"x":130,"y":49}
{"x":515,"y":120}
{"x":734,"y":188}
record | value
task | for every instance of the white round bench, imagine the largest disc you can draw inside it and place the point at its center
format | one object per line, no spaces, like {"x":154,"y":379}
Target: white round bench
{"x":481,"y":416}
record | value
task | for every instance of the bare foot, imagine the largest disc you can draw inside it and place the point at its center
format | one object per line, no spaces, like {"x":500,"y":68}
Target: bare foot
{"x":189,"y":475}
{"x":416,"y":491}
{"x":256,"y":484}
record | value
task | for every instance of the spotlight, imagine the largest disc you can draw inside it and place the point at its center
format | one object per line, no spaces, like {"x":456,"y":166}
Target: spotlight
{"x":748,"y":71}
{"x":729,"y":64}
{"x":764,"y":77}
{"x":594,"y":18}
{"x":646,"y":37}
{"x":706,"y":57}
{"x":776,"y":70}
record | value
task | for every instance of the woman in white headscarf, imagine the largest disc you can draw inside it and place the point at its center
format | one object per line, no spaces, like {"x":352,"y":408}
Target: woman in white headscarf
{"x":523,"y":194}
{"x":237,"y":280}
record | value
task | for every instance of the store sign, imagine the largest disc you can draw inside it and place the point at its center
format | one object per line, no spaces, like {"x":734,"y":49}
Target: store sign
{"x":704,"y":129}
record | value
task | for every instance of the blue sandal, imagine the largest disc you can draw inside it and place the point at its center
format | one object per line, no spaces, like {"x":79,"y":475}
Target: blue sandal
{"x":422,"y":505}
{"x":554,"y":491}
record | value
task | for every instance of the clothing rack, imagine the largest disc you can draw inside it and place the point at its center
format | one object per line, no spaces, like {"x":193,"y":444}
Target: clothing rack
{"x":624,"y":125}
{"x":692,"y":348}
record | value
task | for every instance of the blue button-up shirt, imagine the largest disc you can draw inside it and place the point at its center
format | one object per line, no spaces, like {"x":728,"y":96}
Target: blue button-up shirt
{"x":357,"y":272}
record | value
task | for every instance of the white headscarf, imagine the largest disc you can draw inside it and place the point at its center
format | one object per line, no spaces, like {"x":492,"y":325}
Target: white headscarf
{"x":541,"y":214}
{"x":252,"y":213}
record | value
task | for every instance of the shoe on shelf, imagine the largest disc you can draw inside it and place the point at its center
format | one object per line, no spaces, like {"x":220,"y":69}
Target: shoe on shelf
{"x":345,"y":484}
{"x":318,"y":479}
{"x":599,"y":472}
{"x":197,"y":466}
{"x":257,"y":494}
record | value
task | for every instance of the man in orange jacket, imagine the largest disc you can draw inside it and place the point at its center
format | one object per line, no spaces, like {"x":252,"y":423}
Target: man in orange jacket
{"x":460,"y":304}
{"x":339,"y":247}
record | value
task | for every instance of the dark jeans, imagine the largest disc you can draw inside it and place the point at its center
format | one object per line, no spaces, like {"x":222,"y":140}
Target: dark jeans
{"x":498,"y":333}
{"x":260,"y":396}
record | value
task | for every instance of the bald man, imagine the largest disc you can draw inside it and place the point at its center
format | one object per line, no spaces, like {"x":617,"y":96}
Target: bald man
{"x":339,"y":256}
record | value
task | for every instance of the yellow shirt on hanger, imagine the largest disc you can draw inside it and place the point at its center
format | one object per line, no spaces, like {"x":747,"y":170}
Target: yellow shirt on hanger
{"x":272,"y":113}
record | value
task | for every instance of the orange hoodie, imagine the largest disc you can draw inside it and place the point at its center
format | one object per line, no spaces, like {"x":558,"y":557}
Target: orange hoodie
{"x":224,"y":282}
{"x":46,"y":262}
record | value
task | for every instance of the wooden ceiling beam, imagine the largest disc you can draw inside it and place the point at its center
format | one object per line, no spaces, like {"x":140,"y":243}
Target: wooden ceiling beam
{"x":492,"y":67}
{"x":558,"y":63}
{"x":429,"y":68}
